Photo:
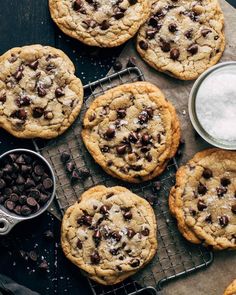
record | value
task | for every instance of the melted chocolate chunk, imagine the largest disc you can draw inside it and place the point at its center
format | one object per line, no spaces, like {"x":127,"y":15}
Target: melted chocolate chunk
{"x":208,"y":218}
{"x":150,"y":33}
{"x":121,"y":113}
{"x":3,"y":98}
{"x":104,"y":209}
{"x":23,"y":101}
{"x":172,"y":27}
{"x":95,"y":257}
{"x":143,"y":45}
{"x":233,"y":208}
{"x":121,"y":149}
{"x":145,"y":232}
{"x":59,"y":92}
{"x":193,"y":49}
{"x":127,"y":215}
{"x":135,"y":263}
{"x":19,"y":73}
{"x":132,"y":2}
{"x":225,"y":181}
{"x":110,"y":133}
{"x":221,"y":191}
{"x":174,"y":53}
{"x":133,"y":137}
{"x":205,"y":32}
{"x":105,"y":25}
{"x":20,"y":114}
{"x":165,"y":46}
{"x":116,"y":236}
{"x":130,"y":233}
{"x":37,"y":112}
{"x":79,"y":244}
{"x":189,"y":34}
{"x":34,"y":65}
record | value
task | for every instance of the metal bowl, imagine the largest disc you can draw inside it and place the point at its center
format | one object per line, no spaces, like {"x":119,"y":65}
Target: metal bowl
{"x":9,"y":219}
{"x":221,"y":143}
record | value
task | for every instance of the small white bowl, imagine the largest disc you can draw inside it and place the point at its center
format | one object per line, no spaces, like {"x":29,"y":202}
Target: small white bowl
{"x":213,"y":140}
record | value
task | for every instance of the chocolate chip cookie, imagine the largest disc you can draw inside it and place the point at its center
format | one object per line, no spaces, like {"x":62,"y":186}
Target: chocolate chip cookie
{"x":39,"y":94}
{"x":204,"y":199}
{"x":231,"y":289}
{"x":102,"y":23}
{"x":110,"y":234}
{"x":182,"y":38}
{"x":132,"y":131}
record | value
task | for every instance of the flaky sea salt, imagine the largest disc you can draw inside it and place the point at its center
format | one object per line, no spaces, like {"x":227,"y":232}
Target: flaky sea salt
{"x":216,"y":105}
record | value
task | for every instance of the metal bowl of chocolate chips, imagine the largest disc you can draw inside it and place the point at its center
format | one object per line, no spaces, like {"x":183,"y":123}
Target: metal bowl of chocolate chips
{"x":27,"y":187}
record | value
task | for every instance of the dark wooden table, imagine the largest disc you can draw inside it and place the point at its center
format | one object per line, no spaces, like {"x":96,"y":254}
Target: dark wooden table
{"x":28,"y":22}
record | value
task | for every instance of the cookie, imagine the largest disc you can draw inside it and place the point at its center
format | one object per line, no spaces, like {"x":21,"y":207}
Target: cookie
{"x":203,"y":199}
{"x":132,"y":131}
{"x":110,"y":234}
{"x":231,"y":289}
{"x":102,"y":23}
{"x":39,"y":94}
{"x":182,"y":38}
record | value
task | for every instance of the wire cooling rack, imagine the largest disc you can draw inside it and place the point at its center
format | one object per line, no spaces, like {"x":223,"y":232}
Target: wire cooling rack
{"x":175,"y":256}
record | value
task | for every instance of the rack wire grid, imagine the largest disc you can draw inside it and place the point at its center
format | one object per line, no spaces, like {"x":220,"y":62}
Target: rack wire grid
{"x":175,"y":256}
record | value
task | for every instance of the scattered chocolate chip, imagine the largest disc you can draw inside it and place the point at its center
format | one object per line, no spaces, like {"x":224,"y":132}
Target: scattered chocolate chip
{"x":65,"y":156}
{"x":104,"y":209}
{"x":104,"y":25}
{"x":223,"y":221}
{"x":233,"y":208}
{"x":19,"y":73}
{"x":76,"y":5}
{"x":208,"y":218}
{"x":145,"y":232}
{"x":172,"y":27}
{"x":97,"y":237}
{"x":121,"y":149}
{"x":201,"y":189}
{"x":105,"y":149}
{"x":201,"y":205}
{"x":135,"y":262}
{"x":37,"y":112}
{"x":85,"y":220}
{"x":9,"y":205}
{"x":25,"y":210}
{"x":118,"y":13}
{"x":110,"y":133}
{"x":143,"y":45}
{"x":143,"y":117}
{"x":3,"y":98}
{"x":70,"y":166}
{"x":131,"y":62}
{"x":133,"y":137}
{"x":130,"y":233}
{"x":225,"y":181}
{"x":116,"y":236}
{"x":221,"y":191}
{"x":83,"y":173}
{"x":121,"y":113}
{"x":174,"y":53}
{"x":95,"y":257}
{"x":207,"y":173}
{"x":92,"y":117}
{"x":189,"y":34}
{"x":165,"y":46}
{"x":117,"y":66}
{"x":47,"y":183}
{"x":193,"y":49}
{"x":23,"y":101}
{"x":41,"y":91}
{"x":205,"y":32}
{"x":145,"y":139}
{"x":193,"y":212}
{"x":34,"y":65}
{"x":127,"y":215}
{"x":20,"y":114}
{"x":114,"y":252}
{"x":59,"y":92}
{"x":150,"y":33}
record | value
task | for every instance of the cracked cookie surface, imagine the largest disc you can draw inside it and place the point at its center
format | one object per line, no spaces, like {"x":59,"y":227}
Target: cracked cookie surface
{"x":231,"y":289}
{"x":39,"y":94}
{"x":182,"y":38}
{"x":204,"y":199}
{"x":102,"y":23}
{"x":132,"y":131}
{"x":110,"y":233}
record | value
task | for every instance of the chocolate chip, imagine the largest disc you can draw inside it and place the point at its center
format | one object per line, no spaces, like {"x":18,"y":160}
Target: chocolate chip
{"x":221,"y":191}
{"x":25,"y":210}
{"x":205,"y":32}
{"x":193,"y":212}
{"x":207,"y":173}
{"x":128,"y":215}
{"x":37,"y":112}
{"x":95,"y":257}
{"x":135,"y":262}
{"x":225,"y":181}
{"x":65,"y":156}
{"x":114,"y":252}
{"x":223,"y":221}
{"x":19,"y":73}
{"x":110,"y":133}
{"x":145,"y":232}
{"x":70,"y":167}
{"x":109,"y":163}
{"x":41,"y":91}
{"x":85,"y":219}
{"x":97,"y":237}
{"x":25,"y":169}
{"x":130,"y":233}
{"x":31,"y":202}
{"x":121,"y":113}
{"x":9,"y":205}
{"x":174,"y":53}
{"x":83,"y":173}
{"x":172,"y":27}
{"x":3,"y":98}
{"x":117,"y":66}
{"x":150,"y":33}
{"x":153,"y":21}
{"x":145,"y":139}
{"x":59,"y":92}
{"x":104,"y":25}
{"x":104,"y":209}
{"x":50,"y":67}
{"x":17,"y":210}
{"x":189,"y":34}
{"x":116,"y":236}
{"x":23,"y":101}
{"x":136,"y":167}
{"x":216,"y":37}
{"x":143,"y":45}
{"x":39,"y":170}
{"x":118,"y":13}
{"x":105,"y":149}
{"x":14,"y":198}
{"x":34,"y":65}
{"x":132,"y":2}
{"x":201,"y":189}
{"x":193,"y":49}
{"x":22,"y":199}
{"x":89,"y":23}
{"x":143,"y":117}
{"x":165,"y":46}
{"x":133,"y":136}
{"x":233,"y":208}
{"x":2,"y":183}
{"x":92,"y":117}
{"x":121,"y":149}
{"x":79,"y":244}
{"x":20,"y":114}
{"x":43,"y":199}
{"x":148,"y":157}
{"x":208,"y":218}
{"x":47,"y":183}
{"x":131,"y":62}
{"x":76,"y":5}
{"x":201,"y":205}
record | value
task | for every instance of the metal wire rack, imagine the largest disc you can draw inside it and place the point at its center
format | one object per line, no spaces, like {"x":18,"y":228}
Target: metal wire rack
{"x":175,"y":256}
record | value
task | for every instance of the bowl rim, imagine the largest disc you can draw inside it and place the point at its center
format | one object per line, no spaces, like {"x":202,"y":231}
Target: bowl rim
{"x":45,"y":206}
{"x":192,"y":111}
